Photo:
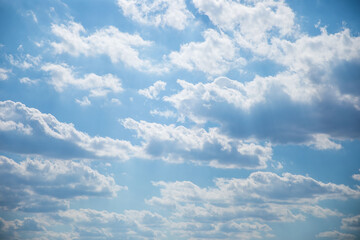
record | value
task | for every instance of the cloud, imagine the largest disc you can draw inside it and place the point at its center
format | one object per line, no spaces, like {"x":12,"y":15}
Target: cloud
{"x":356,"y":176}
{"x":172,"y":13}
{"x":4,"y":74}
{"x":110,"y":41}
{"x":237,"y":206}
{"x":28,"y":131}
{"x":336,"y":235}
{"x":351,"y":223}
{"x":251,"y":22}
{"x":165,"y":114}
{"x":214,"y":56}
{"x":84,"y":102}
{"x":153,"y":91}
{"x":281,"y":109}
{"x":36,"y":185}
{"x":24,"y":62}
{"x":133,"y":224}
{"x":26,"y":80}
{"x":33,"y":15}
{"x":177,"y":144}
{"x":63,"y":76}
{"x":11,"y":229}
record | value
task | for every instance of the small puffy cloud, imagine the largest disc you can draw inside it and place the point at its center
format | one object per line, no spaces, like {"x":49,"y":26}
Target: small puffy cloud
{"x":213,"y":56}
{"x":62,"y":76}
{"x":172,"y":13}
{"x":153,"y":91}
{"x":356,"y":176}
{"x":35,"y":185}
{"x":110,"y":41}
{"x":24,"y":62}
{"x":4,"y":74}
{"x":26,"y":80}
{"x":351,"y":223}
{"x":178,"y":143}
{"x":336,"y":235}
{"x":28,"y":131}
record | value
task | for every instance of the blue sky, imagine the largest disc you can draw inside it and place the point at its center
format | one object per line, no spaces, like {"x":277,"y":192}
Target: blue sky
{"x":197,"y":119}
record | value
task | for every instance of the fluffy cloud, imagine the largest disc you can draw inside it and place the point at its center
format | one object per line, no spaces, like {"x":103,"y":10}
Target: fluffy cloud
{"x":172,"y":13}
{"x":28,"y":131}
{"x":63,"y":76}
{"x":36,"y":185}
{"x":153,"y":91}
{"x":336,"y":235}
{"x":26,"y":80}
{"x":352,"y":223}
{"x":178,"y":143}
{"x":4,"y":73}
{"x":223,"y":210}
{"x":131,"y":224}
{"x":250,"y":21}
{"x":11,"y":229}
{"x":24,"y":62}
{"x":282,"y":109}
{"x":110,"y":41}
{"x":213,"y":56}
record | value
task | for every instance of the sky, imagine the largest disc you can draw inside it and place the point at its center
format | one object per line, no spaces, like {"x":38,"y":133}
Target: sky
{"x":180,"y":119}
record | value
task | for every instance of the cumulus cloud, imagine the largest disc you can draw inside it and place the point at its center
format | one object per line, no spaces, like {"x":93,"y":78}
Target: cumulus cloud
{"x":213,"y":56}
{"x":62,"y":76}
{"x":172,"y":13}
{"x":35,"y":185}
{"x":336,"y":235}
{"x":110,"y":41}
{"x":165,"y":114}
{"x":223,"y":210}
{"x":111,"y":225}
{"x":83,"y":102}
{"x":178,"y":143}
{"x":12,"y":229}
{"x":24,"y":62}
{"x":4,"y":73}
{"x":28,"y":131}
{"x":250,"y":21}
{"x":351,"y":223}
{"x":153,"y":91}
{"x":282,"y":109}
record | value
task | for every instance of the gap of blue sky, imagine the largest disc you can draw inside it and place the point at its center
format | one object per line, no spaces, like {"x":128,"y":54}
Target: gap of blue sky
{"x":177,"y":119}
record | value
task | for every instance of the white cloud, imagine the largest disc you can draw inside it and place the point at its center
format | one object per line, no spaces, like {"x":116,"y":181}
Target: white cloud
{"x":84,"y":102}
{"x":178,"y":143}
{"x":276,"y":108}
{"x":11,"y":229}
{"x":111,"y":225}
{"x":153,"y":91}
{"x":26,"y":80}
{"x":250,"y":21}
{"x":110,"y":41}
{"x":116,"y":101}
{"x":4,"y":73}
{"x":213,"y":56}
{"x":172,"y":13}
{"x":356,"y":176}
{"x":52,"y":138}
{"x":227,"y":208}
{"x":165,"y":114}
{"x":63,"y":76}
{"x":336,"y":235}
{"x":35,"y":185}
{"x":351,"y":223}
{"x":24,"y":62}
